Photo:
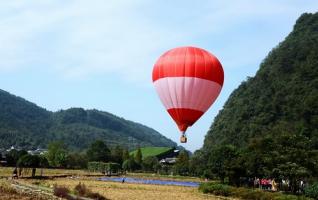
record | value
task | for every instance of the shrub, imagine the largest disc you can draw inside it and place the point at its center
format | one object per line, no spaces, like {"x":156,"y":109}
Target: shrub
{"x":312,"y":191}
{"x":81,"y":189}
{"x":214,"y":188}
{"x":61,"y":191}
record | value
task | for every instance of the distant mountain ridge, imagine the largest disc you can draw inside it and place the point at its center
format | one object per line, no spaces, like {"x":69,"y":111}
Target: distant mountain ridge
{"x":27,"y":125}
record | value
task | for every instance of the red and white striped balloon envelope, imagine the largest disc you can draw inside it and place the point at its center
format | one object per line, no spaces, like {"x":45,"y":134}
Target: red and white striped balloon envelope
{"x":188,"y":80}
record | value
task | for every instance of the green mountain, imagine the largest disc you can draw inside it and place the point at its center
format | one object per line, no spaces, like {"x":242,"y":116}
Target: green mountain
{"x":269,"y":125}
{"x":282,"y":98}
{"x":27,"y":125}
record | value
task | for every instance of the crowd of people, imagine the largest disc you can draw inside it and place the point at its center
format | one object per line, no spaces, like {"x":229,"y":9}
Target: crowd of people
{"x":265,"y":184}
{"x":272,"y":185}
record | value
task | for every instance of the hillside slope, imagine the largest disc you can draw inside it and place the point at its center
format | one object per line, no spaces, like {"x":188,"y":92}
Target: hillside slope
{"x":282,"y":98}
{"x":26,"y":125}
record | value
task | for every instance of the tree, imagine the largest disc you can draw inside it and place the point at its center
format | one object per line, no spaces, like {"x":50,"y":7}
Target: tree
{"x":99,"y":152}
{"x":29,"y":161}
{"x":117,"y":154}
{"x":130,"y":164}
{"x":57,"y":154}
{"x":150,"y":164}
{"x":219,"y":160}
{"x":138,"y":157}
{"x":14,"y":155}
{"x":182,"y":164}
{"x":77,"y":160}
{"x":197,"y":165}
{"x":125,"y":154}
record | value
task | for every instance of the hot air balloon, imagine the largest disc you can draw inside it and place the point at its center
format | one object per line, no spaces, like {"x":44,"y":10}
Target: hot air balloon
{"x":188,"y":80}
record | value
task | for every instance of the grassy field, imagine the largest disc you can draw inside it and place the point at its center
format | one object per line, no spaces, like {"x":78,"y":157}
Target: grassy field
{"x":151,"y":151}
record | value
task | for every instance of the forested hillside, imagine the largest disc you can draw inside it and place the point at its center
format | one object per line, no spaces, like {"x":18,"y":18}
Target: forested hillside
{"x":26,"y":125}
{"x":269,"y":125}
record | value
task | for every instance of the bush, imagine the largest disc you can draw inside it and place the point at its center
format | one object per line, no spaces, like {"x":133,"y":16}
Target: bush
{"x":217,"y":189}
{"x":61,"y":191}
{"x":312,"y":191}
{"x":82,"y":190}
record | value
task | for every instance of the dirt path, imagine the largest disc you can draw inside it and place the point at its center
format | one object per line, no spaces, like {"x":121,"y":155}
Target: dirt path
{"x":33,"y":191}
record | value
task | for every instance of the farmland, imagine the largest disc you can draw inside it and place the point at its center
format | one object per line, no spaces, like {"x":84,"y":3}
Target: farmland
{"x":112,"y":190}
{"x":152,"y":151}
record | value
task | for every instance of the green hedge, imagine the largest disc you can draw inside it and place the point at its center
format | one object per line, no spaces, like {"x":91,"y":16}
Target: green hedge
{"x":312,"y":191}
{"x":246,"y":193}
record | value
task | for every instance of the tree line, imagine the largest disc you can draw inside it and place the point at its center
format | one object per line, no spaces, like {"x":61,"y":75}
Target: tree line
{"x":58,"y":155}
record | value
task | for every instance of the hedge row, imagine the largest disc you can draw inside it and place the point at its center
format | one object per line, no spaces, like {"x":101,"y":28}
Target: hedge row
{"x":246,"y":193}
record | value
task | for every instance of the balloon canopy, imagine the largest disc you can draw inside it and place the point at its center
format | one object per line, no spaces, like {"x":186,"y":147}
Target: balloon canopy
{"x":188,"y":80}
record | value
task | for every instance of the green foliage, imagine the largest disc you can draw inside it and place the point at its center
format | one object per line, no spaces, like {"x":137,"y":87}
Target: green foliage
{"x":117,"y":154}
{"x":138,"y":157}
{"x":76,"y":160}
{"x":181,"y":166}
{"x":245,"y":193}
{"x":197,"y":165}
{"x":28,"y":126}
{"x":312,"y":191}
{"x":13,"y":156}
{"x":57,"y":154}
{"x":150,"y":164}
{"x":217,"y":189}
{"x":103,"y":167}
{"x":29,"y":161}
{"x":130,"y":165}
{"x":125,"y":155}
{"x":268,"y":126}
{"x":98,"y":151}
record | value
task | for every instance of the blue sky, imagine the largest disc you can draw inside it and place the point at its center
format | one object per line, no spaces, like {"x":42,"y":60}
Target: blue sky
{"x":100,"y":54}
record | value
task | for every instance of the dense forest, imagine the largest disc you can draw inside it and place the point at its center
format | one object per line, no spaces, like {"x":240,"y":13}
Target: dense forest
{"x":29,"y":126}
{"x":269,"y":125}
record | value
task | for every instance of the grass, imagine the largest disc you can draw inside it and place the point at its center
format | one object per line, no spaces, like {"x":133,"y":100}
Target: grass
{"x":152,"y":151}
{"x":7,"y":192}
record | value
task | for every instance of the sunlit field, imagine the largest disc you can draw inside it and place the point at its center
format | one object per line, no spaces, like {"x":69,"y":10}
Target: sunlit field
{"x":7,"y":172}
{"x":114,"y":190}
{"x":125,"y":191}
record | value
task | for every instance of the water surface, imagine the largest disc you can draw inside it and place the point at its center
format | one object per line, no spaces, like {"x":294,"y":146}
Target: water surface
{"x":150,"y":181}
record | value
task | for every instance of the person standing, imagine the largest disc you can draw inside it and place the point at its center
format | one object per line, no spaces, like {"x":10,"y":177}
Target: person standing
{"x":274,"y":185}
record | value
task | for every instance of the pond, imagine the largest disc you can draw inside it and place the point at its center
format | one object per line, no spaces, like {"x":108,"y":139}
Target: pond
{"x":151,"y":181}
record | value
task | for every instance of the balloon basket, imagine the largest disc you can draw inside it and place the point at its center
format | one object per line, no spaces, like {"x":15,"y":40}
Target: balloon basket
{"x":183,"y":139}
